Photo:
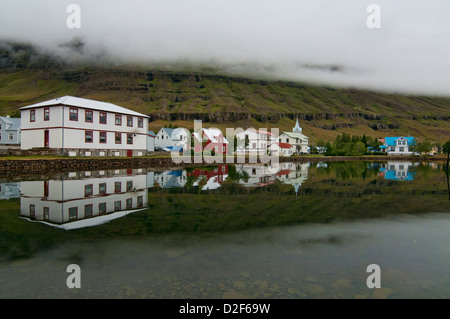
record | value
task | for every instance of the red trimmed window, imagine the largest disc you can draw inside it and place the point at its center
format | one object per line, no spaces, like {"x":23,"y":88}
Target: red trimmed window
{"x":102,"y":119}
{"x":140,"y":122}
{"x":102,"y":138}
{"x":73,"y":114}
{"x":46,"y":114}
{"x":117,"y":187}
{"x":88,"y":190}
{"x":129,"y":121}
{"x":89,"y":137}
{"x":89,"y":117}
{"x":102,"y":208}
{"x":129,"y":138}
{"x":88,"y":209}
{"x":118,"y":138}
{"x":32,"y":115}
{"x":118,"y":119}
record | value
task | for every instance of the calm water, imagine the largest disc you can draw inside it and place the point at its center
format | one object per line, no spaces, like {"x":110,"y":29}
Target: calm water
{"x":293,"y":231}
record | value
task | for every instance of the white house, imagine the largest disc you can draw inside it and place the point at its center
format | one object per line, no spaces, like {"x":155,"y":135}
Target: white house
{"x":83,"y":127}
{"x":83,"y":199}
{"x":9,"y":132}
{"x":258,"y":142}
{"x":399,"y":145}
{"x":169,"y":137}
{"x":296,"y":139}
{"x":281,"y":149}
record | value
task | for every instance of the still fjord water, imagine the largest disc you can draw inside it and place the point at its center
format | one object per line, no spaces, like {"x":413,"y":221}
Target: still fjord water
{"x":299,"y":230}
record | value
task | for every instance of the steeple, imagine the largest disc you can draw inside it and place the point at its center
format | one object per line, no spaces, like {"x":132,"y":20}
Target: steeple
{"x":297,"y":128}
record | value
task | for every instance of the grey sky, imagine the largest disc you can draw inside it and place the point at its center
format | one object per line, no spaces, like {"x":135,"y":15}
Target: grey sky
{"x":283,"y":39}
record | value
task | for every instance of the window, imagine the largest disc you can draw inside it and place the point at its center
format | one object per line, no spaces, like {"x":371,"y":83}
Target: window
{"x":141,"y":122}
{"x":32,"y":210}
{"x":102,"y":118}
{"x":129,"y":203}
{"x":73,"y":114}
{"x":392,"y":149}
{"x":32,"y":115}
{"x":129,"y":186}
{"x":88,"y":210}
{"x":73,"y":213}
{"x":88,"y":117}
{"x":46,"y":213}
{"x":11,"y":136}
{"x":140,"y":201}
{"x":88,"y":190}
{"x":118,"y":119}
{"x":129,"y":121}
{"x":103,"y":137}
{"x":102,"y":188}
{"x":402,"y":149}
{"x":102,"y":208}
{"x":118,"y":138}
{"x":0,"y":137}
{"x":117,"y":187}
{"x":129,"y":138}
{"x":89,"y":136}
{"x":117,"y":205}
{"x":46,"y":114}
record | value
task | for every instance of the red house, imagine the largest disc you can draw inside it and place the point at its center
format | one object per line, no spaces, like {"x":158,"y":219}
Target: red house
{"x":211,"y":139}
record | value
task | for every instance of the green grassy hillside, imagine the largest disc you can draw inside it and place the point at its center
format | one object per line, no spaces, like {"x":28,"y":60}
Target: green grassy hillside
{"x":178,"y":97}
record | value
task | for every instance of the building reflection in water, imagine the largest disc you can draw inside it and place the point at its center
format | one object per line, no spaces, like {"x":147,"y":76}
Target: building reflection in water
{"x":84,"y":199}
{"x":398,"y":171}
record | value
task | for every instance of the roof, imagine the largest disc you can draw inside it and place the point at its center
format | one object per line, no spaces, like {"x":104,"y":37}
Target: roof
{"x":391,"y":140}
{"x":85,"y":103}
{"x":13,"y":122}
{"x":296,"y":135}
{"x":212,"y":133}
{"x":151,"y":133}
{"x":167,"y":130}
{"x":284,"y":145}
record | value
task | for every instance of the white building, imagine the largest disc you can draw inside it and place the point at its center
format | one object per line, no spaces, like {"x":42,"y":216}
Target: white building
{"x":83,"y":199}
{"x":296,"y":139}
{"x":281,"y":149}
{"x":151,"y":141}
{"x":258,"y":142}
{"x":83,"y":127}
{"x":9,"y":132}
{"x":169,"y":137}
{"x":399,"y":145}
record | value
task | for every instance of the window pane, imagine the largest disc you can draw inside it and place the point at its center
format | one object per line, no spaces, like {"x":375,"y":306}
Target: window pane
{"x":73,"y":213}
{"x":89,"y":117}
{"x":140,"y":122}
{"x":89,"y":136}
{"x":73,"y":114}
{"x":102,"y":118}
{"x":118,"y":138}
{"x":102,"y":137}
{"x":129,"y":138}
{"x":118,"y":119}
{"x":129,"y":121}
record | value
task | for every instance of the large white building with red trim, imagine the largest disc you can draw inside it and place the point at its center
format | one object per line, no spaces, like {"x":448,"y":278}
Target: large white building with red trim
{"x":84,"y":127}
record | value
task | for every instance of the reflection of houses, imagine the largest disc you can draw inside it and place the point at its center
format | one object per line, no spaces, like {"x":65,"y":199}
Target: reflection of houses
{"x":211,"y":178}
{"x":84,"y":199}
{"x":255,"y":175}
{"x":170,"y":179}
{"x":293,"y":174}
{"x":9,"y":190}
{"x":398,"y":171}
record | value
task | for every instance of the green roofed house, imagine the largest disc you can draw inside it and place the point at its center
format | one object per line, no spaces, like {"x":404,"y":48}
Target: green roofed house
{"x":296,"y":139}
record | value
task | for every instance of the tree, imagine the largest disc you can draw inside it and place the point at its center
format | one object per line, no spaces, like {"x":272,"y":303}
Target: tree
{"x":446,"y":147}
{"x":424,"y":147}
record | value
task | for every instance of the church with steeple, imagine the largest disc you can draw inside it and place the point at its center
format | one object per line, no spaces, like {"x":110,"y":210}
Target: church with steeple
{"x":296,"y":138}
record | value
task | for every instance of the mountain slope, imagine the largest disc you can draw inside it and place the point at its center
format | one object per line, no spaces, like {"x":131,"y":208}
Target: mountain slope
{"x":177,"y":98}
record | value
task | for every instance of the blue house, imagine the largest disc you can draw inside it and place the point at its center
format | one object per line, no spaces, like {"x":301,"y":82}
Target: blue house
{"x":9,"y":131}
{"x":399,"y":145}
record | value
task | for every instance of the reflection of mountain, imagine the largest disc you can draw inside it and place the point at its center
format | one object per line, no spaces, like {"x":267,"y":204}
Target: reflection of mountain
{"x":398,"y":171}
{"x":84,"y":199}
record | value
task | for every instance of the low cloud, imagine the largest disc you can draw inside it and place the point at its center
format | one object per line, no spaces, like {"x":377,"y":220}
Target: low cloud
{"x":317,"y":41}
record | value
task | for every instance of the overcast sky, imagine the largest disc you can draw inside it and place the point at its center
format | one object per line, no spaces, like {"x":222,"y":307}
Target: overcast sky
{"x":319,"y":41}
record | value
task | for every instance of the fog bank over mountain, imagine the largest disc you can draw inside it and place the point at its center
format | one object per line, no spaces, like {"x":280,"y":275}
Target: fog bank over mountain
{"x":320,"y":41}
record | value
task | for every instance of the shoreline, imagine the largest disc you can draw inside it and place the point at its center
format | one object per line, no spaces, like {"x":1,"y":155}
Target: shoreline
{"x":28,"y":166}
